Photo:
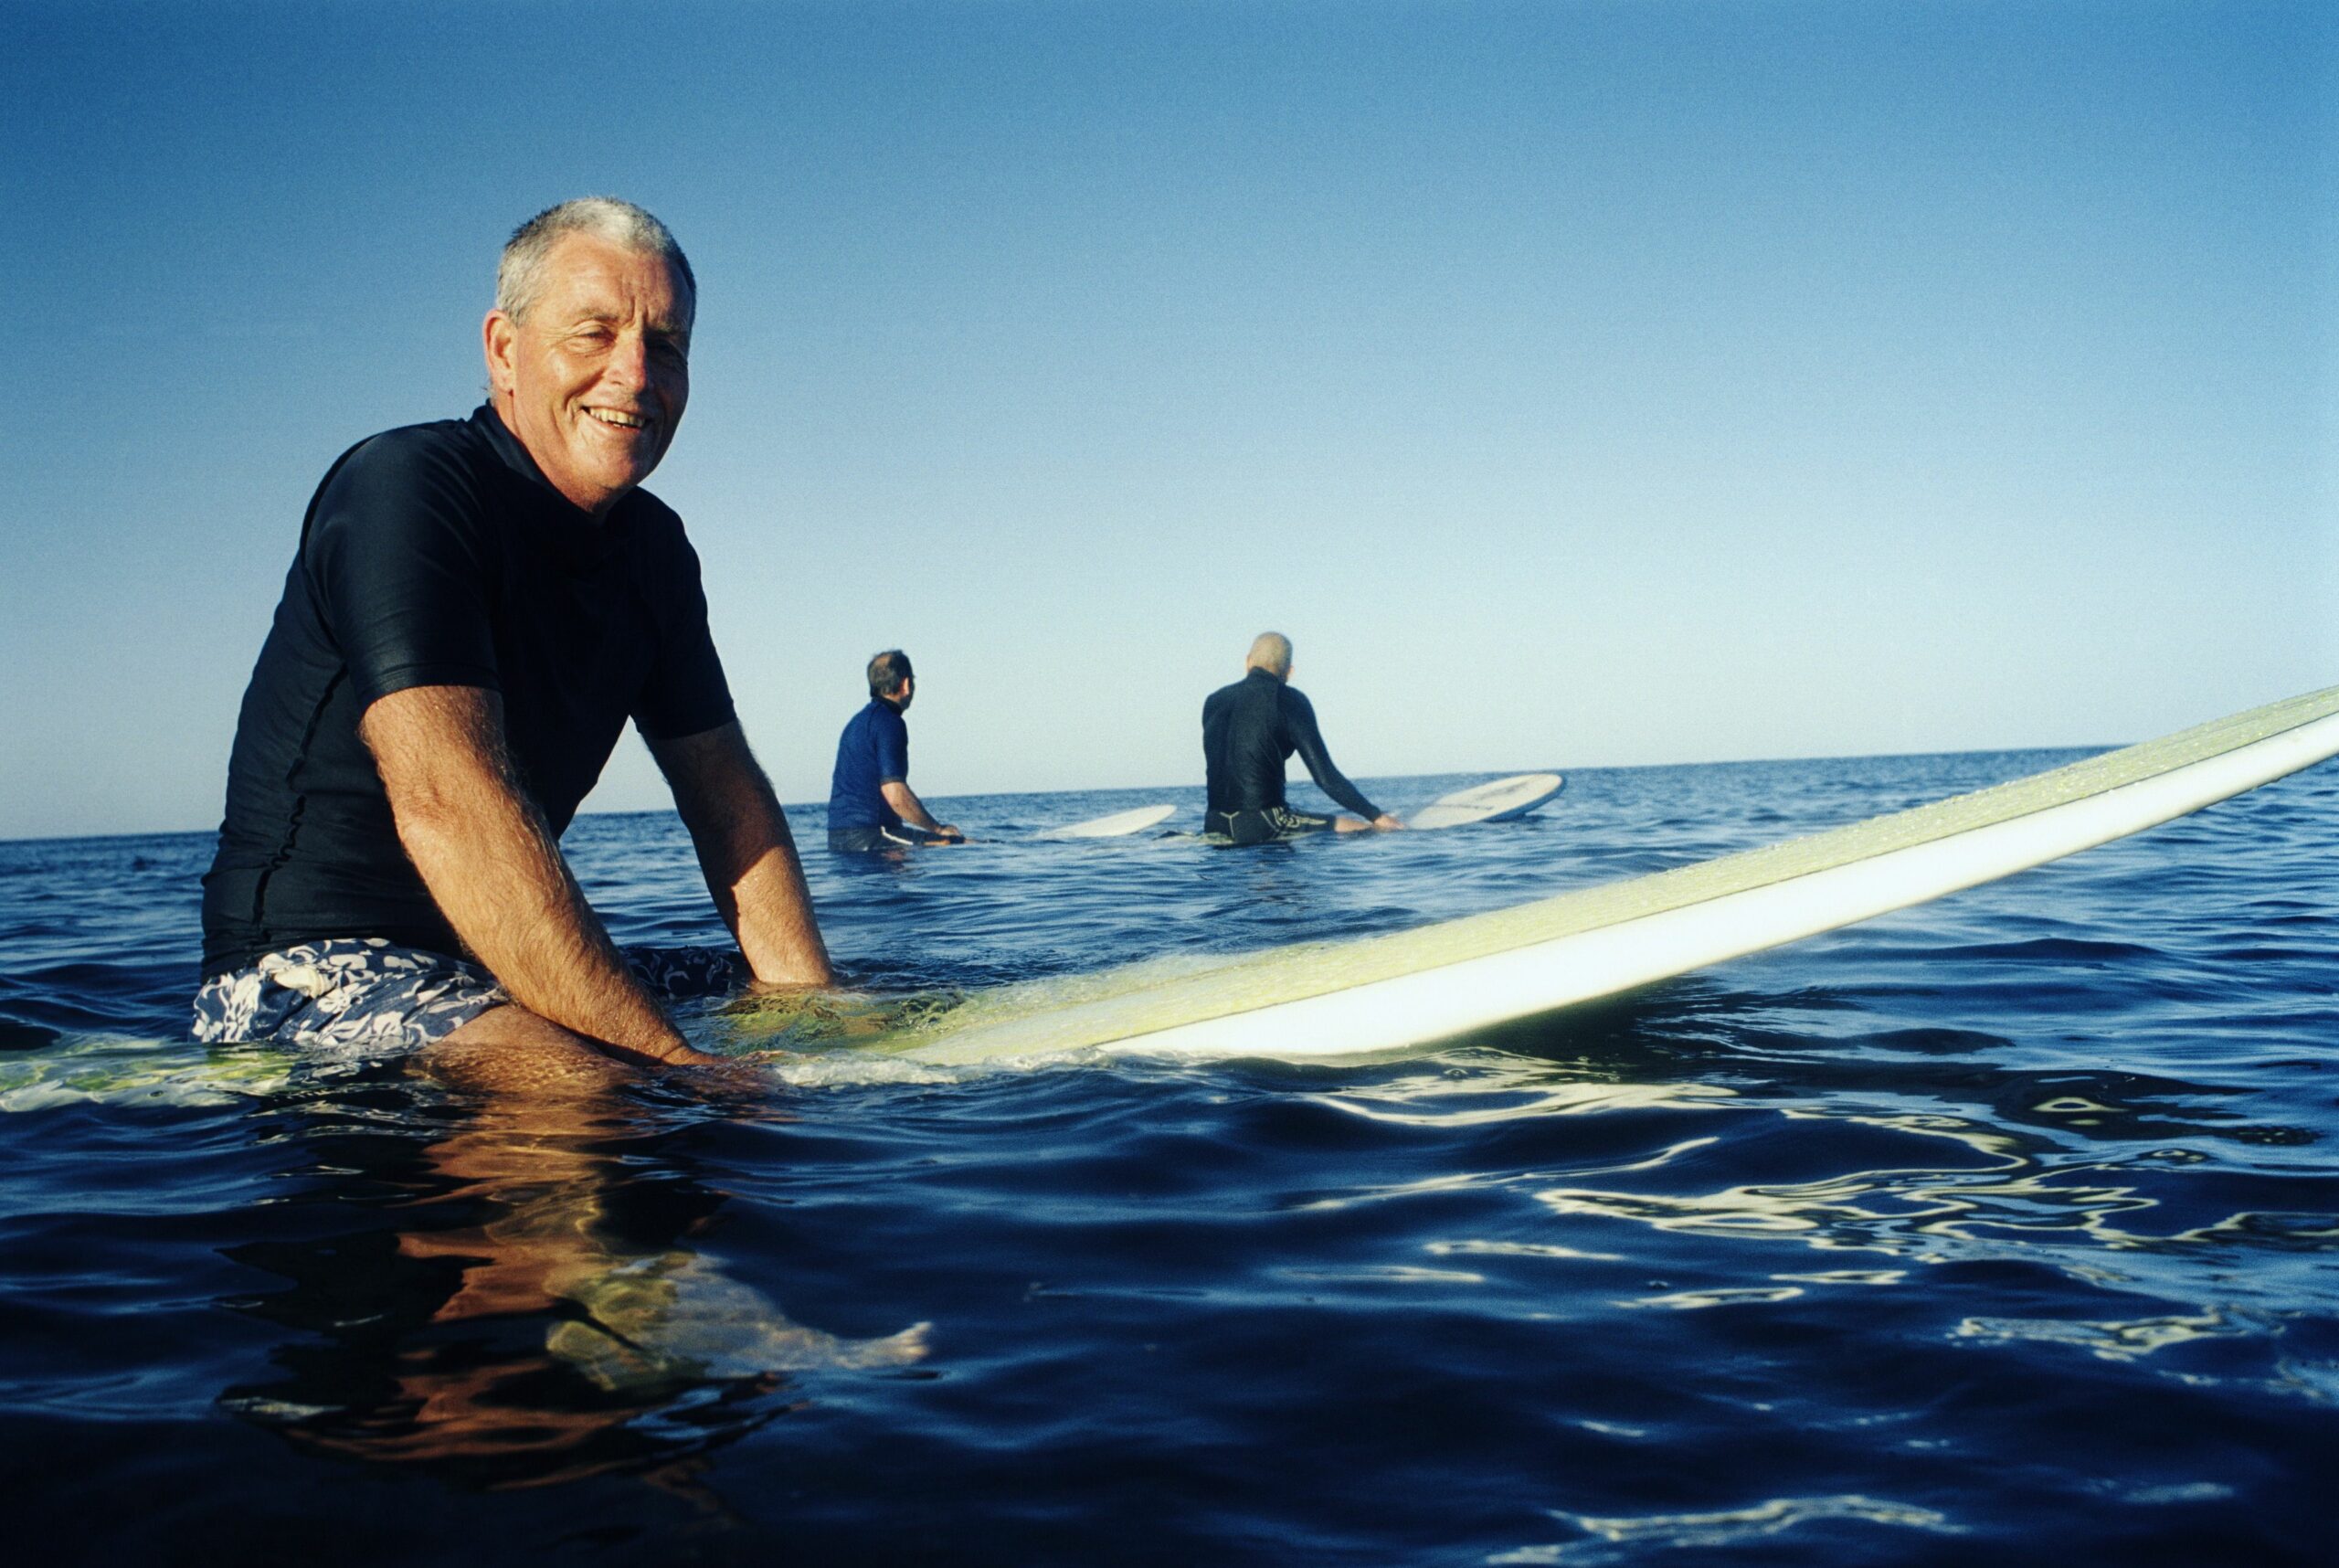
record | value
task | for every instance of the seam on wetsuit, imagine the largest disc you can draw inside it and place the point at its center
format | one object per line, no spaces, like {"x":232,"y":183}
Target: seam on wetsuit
{"x":297,"y":815}
{"x":293,"y":820}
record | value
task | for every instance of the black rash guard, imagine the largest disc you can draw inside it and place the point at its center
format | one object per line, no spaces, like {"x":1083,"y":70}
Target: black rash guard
{"x":1249,"y":729}
{"x":439,"y":556}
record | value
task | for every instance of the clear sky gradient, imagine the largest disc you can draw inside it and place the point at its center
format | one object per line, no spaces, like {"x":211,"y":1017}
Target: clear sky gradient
{"x":1576,"y":384}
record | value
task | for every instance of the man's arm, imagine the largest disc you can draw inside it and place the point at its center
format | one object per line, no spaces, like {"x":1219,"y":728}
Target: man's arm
{"x":491,"y":864}
{"x":1299,"y":720}
{"x":745,"y":849}
{"x":911,"y":809}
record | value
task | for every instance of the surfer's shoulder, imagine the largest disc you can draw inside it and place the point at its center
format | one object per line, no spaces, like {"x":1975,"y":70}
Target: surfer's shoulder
{"x":431,"y":455}
{"x":432,"y":441}
{"x":414,"y":482}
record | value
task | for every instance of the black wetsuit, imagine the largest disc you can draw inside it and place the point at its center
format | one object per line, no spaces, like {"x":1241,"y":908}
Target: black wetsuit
{"x":438,"y":555}
{"x":1249,"y":730}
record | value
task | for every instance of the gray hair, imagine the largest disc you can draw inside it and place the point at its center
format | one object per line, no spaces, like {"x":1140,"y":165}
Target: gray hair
{"x":520,"y":276}
{"x":1271,"y":651}
{"x":887,"y":670}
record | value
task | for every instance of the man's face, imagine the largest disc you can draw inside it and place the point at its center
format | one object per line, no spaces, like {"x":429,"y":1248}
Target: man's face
{"x":594,"y":380}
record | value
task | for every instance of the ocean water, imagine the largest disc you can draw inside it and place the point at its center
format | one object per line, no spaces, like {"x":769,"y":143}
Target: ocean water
{"x":2005,"y":1229}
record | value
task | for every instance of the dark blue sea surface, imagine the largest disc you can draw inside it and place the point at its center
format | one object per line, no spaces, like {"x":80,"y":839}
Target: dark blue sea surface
{"x":2002,"y":1230}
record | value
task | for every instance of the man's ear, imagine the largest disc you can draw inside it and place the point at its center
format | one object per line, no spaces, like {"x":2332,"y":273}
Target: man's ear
{"x":495,"y":339}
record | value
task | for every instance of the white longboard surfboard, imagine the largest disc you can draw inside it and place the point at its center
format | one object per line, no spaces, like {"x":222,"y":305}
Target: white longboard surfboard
{"x":1120,"y":824}
{"x":1504,"y":800}
{"x":1416,"y":988}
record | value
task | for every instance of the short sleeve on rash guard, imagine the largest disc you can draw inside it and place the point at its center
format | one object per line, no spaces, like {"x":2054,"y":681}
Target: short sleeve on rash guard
{"x":889,"y":737}
{"x":401,"y":574}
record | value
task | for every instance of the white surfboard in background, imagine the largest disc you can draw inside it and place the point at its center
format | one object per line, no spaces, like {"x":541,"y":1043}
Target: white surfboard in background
{"x":1120,"y":824}
{"x":1504,"y":800}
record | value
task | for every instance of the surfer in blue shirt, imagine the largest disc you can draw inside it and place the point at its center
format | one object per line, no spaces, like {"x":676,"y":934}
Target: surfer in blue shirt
{"x":1249,"y":730}
{"x":871,"y":803}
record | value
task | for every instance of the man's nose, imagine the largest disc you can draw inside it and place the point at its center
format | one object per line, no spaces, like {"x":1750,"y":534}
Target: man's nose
{"x":629,"y":360}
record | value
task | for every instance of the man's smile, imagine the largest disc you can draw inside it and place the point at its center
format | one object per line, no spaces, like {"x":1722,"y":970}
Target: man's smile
{"x":619,"y":417}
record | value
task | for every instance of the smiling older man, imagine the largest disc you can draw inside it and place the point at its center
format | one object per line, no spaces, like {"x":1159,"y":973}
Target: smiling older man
{"x":475,"y":610}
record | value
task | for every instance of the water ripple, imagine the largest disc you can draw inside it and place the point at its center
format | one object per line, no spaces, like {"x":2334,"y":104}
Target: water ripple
{"x":2005,"y":1228}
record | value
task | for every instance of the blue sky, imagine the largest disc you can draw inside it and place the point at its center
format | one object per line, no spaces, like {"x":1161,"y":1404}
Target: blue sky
{"x":1576,"y":384}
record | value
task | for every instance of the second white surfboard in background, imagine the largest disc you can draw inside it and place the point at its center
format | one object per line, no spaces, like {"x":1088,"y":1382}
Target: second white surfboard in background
{"x":1499,"y":801}
{"x":1120,"y":824}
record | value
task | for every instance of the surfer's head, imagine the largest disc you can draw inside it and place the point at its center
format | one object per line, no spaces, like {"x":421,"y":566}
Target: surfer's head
{"x":524,"y":270}
{"x":1271,"y":651}
{"x":889,"y":678}
{"x":589,"y":345}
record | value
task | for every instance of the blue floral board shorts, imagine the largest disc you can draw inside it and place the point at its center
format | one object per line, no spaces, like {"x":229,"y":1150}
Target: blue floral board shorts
{"x":359,"y":999}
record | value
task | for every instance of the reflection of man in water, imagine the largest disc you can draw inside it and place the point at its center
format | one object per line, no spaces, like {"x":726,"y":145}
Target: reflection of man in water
{"x":1249,"y":730}
{"x":871,"y":803}
{"x":530,"y":1299}
{"x":476,"y":609}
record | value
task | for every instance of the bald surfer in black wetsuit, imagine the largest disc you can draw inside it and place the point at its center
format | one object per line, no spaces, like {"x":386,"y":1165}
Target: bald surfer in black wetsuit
{"x":1249,"y":730}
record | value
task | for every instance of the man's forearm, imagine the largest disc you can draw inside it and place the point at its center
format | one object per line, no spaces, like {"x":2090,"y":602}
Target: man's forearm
{"x":1335,"y":783}
{"x":1299,"y":720}
{"x":746,"y":855}
{"x":772,"y":917}
{"x":757,"y":885}
{"x":905,"y":803}
{"x":492,"y":866}
{"x":504,"y":888}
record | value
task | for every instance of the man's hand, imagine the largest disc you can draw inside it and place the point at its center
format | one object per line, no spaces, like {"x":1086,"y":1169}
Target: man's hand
{"x":492,"y":866}
{"x":1385,"y":823}
{"x":746,"y":855}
